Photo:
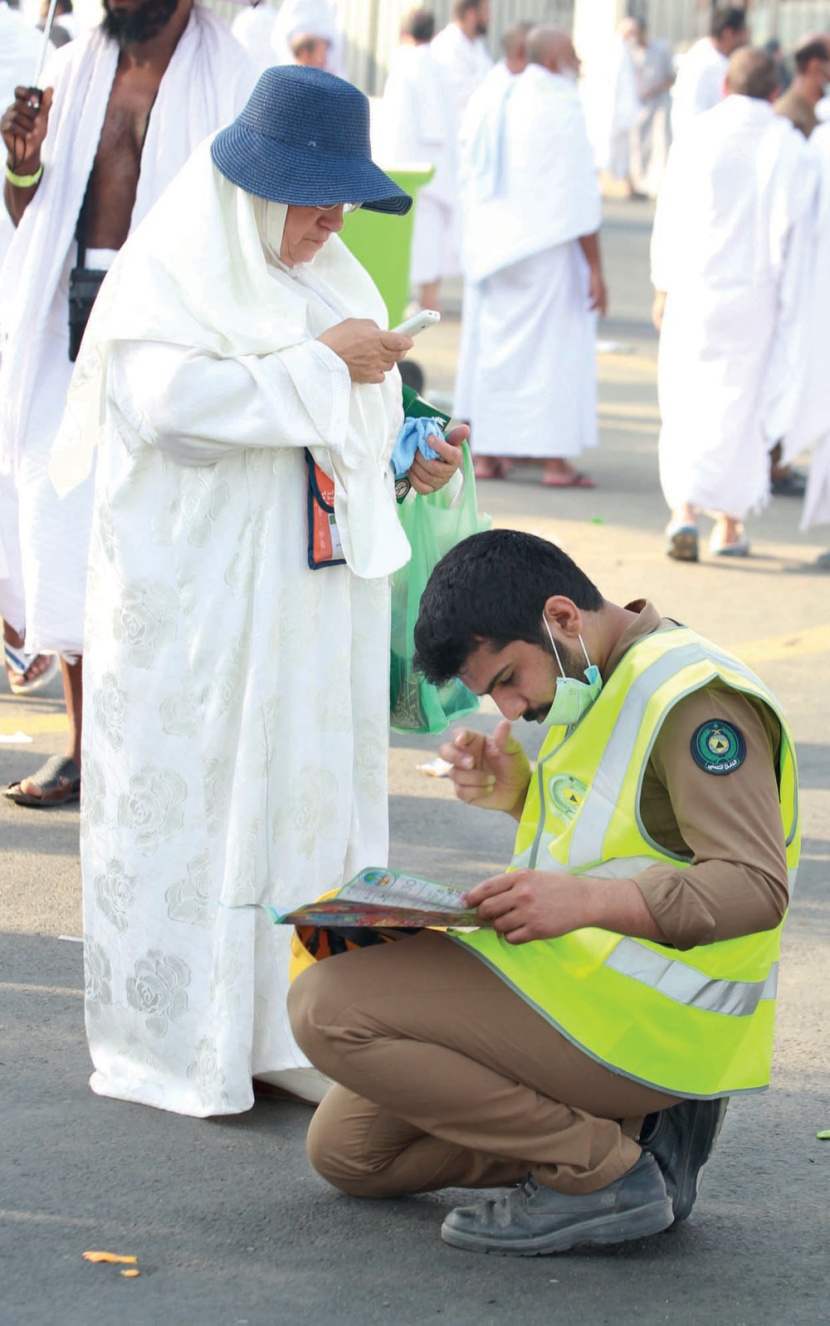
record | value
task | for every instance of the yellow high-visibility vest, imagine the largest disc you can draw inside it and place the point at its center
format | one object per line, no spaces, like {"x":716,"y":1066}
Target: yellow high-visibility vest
{"x":697,"y":1022}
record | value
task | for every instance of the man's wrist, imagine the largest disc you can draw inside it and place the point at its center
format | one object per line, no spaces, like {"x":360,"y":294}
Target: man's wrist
{"x":619,"y":906}
{"x":25,"y":174}
{"x":519,"y":806}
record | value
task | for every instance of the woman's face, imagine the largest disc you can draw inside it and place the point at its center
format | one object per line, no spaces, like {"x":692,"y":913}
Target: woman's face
{"x":306,"y":231}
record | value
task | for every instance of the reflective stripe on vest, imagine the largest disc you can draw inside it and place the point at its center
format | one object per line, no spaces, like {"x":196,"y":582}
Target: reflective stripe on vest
{"x":686,"y":985}
{"x":695,"y":1022}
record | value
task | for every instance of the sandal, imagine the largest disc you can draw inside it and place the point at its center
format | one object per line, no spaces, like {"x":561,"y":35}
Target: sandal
{"x":681,"y":542}
{"x":491,"y":467}
{"x":59,"y":780}
{"x":717,"y":547}
{"x":790,"y":483}
{"x":19,"y":664}
{"x":575,"y":480}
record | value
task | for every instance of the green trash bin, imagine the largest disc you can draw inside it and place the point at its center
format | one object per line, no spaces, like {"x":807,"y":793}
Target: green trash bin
{"x":383,"y":243}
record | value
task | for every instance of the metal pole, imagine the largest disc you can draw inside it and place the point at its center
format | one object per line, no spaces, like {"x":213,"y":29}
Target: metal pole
{"x":44,"y":45}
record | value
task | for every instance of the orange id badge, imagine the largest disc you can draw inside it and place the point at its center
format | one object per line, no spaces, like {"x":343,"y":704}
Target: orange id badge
{"x":324,"y":546}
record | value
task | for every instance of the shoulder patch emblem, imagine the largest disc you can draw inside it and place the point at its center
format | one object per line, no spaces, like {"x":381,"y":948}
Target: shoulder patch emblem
{"x":718,"y":747}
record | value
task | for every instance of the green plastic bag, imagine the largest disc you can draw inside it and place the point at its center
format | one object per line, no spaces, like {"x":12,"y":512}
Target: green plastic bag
{"x":433,"y":526}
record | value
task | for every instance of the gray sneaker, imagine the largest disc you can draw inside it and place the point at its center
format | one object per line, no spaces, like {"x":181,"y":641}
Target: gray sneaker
{"x":533,"y":1220}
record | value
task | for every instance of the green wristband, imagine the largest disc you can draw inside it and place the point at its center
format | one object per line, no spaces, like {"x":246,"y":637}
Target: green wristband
{"x":23,"y":181}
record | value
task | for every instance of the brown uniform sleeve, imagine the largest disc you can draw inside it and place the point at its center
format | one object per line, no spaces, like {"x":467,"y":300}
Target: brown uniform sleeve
{"x":731,"y":823}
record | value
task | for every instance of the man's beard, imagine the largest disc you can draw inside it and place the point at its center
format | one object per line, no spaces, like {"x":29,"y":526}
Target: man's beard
{"x":131,"y":28}
{"x":482,"y":27}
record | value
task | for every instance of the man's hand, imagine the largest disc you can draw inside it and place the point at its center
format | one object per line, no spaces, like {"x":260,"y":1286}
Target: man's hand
{"x":490,"y":772}
{"x":658,"y":309}
{"x":23,"y":127}
{"x":531,"y":904}
{"x":537,"y":904}
{"x":597,"y":292}
{"x":367,"y":351}
{"x":427,"y":476}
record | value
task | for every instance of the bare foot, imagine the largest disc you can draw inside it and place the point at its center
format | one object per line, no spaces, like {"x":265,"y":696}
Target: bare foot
{"x":26,"y":672}
{"x":490,"y":467}
{"x":560,"y":473}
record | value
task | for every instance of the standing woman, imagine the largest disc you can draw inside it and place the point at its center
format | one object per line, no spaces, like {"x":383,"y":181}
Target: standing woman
{"x":237,"y":700}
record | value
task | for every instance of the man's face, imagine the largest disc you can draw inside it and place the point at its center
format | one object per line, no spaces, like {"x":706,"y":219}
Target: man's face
{"x":571,"y":60}
{"x":821,"y":69}
{"x":630,"y":32}
{"x":131,"y":22}
{"x":315,"y":55}
{"x":521,"y":677}
{"x":734,"y":38}
{"x":307,"y":229}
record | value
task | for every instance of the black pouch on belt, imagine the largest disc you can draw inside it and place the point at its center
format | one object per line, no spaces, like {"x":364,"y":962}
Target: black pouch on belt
{"x":84,"y":284}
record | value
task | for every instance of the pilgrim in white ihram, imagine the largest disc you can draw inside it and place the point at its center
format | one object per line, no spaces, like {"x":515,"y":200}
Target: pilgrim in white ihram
{"x":530,"y":196}
{"x":730,"y":250}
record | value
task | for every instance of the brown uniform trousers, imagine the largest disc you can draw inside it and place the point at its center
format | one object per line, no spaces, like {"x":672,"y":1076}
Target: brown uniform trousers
{"x":447,"y":1078}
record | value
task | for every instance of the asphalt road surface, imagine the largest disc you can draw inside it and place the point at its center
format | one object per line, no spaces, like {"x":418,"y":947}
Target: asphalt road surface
{"x":229,"y":1224}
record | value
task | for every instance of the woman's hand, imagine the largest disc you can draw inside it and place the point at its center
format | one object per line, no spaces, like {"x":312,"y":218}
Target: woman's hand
{"x":427,"y":476}
{"x":367,"y":351}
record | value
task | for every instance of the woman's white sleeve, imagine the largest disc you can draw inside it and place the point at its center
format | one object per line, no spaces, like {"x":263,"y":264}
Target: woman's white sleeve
{"x":198,"y":408}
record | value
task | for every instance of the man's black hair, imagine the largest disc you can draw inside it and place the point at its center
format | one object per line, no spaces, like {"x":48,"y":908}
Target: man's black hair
{"x":726,"y":16}
{"x":460,"y":8}
{"x":817,"y":48}
{"x":419,"y":24}
{"x":492,"y":588}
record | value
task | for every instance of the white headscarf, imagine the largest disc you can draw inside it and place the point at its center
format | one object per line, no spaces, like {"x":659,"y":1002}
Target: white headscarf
{"x":195,"y":274}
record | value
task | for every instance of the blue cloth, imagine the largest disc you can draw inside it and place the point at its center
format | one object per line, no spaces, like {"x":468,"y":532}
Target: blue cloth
{"x":413,"y":437}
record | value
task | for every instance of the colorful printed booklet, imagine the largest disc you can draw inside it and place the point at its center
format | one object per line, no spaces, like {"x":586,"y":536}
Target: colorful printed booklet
{"x":383,"y":899}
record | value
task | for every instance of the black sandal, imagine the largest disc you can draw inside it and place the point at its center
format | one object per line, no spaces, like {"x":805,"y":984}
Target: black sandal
{"x":59,"y":780}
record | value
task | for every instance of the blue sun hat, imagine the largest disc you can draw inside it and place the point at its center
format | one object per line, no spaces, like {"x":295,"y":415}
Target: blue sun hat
{"x":303,"y":139}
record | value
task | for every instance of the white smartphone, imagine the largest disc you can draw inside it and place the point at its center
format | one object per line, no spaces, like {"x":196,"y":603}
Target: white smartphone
{"x":426,"y":317}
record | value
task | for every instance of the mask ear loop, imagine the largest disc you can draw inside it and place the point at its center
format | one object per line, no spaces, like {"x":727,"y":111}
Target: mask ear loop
{"x":585,"y":651}
{"x":553,"y":644}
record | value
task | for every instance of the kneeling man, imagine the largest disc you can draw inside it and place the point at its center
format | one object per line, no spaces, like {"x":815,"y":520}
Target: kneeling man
{"x":581,"y":1045}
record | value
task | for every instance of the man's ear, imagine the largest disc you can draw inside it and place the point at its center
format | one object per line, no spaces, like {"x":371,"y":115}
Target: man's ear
{"x":563,"y":613}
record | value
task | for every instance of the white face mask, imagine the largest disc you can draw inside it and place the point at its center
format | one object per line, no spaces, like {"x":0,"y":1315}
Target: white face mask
{"x":572,"y":697}
{"x":568,"y":71}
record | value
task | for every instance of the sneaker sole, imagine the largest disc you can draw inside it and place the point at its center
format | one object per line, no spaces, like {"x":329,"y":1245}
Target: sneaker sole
{"x":646,"y":1220}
